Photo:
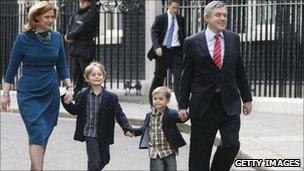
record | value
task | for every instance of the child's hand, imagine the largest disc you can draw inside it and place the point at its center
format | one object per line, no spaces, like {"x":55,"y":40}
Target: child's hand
{"x":129,"y":134}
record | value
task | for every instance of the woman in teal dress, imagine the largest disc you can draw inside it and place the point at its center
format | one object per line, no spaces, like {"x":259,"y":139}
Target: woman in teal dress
{"x":41,"y":52}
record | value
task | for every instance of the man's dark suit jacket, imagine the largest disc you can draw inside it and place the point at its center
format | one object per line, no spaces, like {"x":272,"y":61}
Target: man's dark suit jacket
{"x":109,"y":109}
{"x":200,"y":76}
{"x":172,"y":134}
{"x":159,"y":30}
{"x":82,"y":29}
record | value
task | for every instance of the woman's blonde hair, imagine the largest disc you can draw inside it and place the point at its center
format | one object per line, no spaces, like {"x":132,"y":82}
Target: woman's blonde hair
{"x":37,"y":9}
{"x":91,"y":66}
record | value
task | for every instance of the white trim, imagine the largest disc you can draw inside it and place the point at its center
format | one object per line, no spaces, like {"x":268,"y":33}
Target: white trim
{"x":117,"y":36}
{"x":255,"y":31}
{"x":105,"y":30}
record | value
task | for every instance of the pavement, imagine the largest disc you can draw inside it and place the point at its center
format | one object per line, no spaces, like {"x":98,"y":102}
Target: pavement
{"x":63,"y":153}
{"x":273,"y":139}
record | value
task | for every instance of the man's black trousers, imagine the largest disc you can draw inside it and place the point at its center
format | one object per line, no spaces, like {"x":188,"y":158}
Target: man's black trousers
{"x":203,"y":132}
{"x":172,"y":59}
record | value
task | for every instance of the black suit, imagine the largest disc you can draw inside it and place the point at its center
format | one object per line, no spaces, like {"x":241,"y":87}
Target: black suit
{"x":172,"y":58}
{"x":210,"y":111}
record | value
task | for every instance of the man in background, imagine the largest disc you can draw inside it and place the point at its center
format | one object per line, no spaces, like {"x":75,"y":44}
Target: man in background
{"x":81,"y":31}
{"x":168,"y":35}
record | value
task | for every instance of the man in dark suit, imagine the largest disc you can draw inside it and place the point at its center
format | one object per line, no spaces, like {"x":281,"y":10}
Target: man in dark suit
{"x":214,"y":75}
{"x":168,"y":35}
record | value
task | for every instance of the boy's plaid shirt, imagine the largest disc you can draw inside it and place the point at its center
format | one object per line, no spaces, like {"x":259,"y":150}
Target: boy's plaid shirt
{"x":158,"y":145}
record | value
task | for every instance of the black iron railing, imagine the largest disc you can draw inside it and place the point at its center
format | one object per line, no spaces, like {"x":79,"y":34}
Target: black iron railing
{"x":119,"y":46}
{"x":272,"y":36}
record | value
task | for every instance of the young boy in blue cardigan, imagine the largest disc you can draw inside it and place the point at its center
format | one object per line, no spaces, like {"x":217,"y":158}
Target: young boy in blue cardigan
{"x":159,"y":132}
{"x":96,"y":110}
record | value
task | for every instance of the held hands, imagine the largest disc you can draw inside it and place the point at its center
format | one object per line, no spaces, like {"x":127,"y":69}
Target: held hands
{"x":247,"y":107}
{"x":5,"y":101}
{"x":159,"y":52}
{"x":68,"y":96}
{"x":129,"y":134}
{"x":183,"y":114}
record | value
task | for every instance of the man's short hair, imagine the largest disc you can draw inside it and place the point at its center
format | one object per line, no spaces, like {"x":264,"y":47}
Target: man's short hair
{"x":162,"y":90}
{"x":212,"y":5}
{"x":171,"y":1}
{"x":85,"y":0}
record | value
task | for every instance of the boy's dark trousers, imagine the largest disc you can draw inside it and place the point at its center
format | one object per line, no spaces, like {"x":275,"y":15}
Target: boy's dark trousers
{"x":166,"y":163}
{"x":98,"y":154}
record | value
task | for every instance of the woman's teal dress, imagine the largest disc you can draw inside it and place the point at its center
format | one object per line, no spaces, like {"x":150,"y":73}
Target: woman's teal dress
{"x":38,"y":87}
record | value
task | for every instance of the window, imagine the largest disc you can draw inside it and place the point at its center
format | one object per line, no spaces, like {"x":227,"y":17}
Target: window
{"x":261,"y":18}
{"x":110,"y":30}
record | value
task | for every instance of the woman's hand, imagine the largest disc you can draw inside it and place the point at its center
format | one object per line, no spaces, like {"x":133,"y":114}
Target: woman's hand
{"x":5,"y":101}
{"x":5,"y":97}
{"x":68,"y":95}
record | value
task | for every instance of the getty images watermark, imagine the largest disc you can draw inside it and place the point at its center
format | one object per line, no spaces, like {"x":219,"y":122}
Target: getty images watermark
{"x":267,"y":162}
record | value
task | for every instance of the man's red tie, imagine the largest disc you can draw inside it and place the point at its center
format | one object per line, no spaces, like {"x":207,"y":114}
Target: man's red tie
{"x":217,"y":52}
{"x":217,"y":57}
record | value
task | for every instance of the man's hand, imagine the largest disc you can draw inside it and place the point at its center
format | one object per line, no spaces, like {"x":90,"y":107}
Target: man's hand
{"x":247,"y":107}
{"x":159,"y":52}
{"x":183,"y":114}
{"x":67,"y":40}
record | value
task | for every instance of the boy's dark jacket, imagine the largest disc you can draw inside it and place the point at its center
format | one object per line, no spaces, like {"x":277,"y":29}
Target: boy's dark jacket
{"x":171,"y":132}
{"x":109,"y":109}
